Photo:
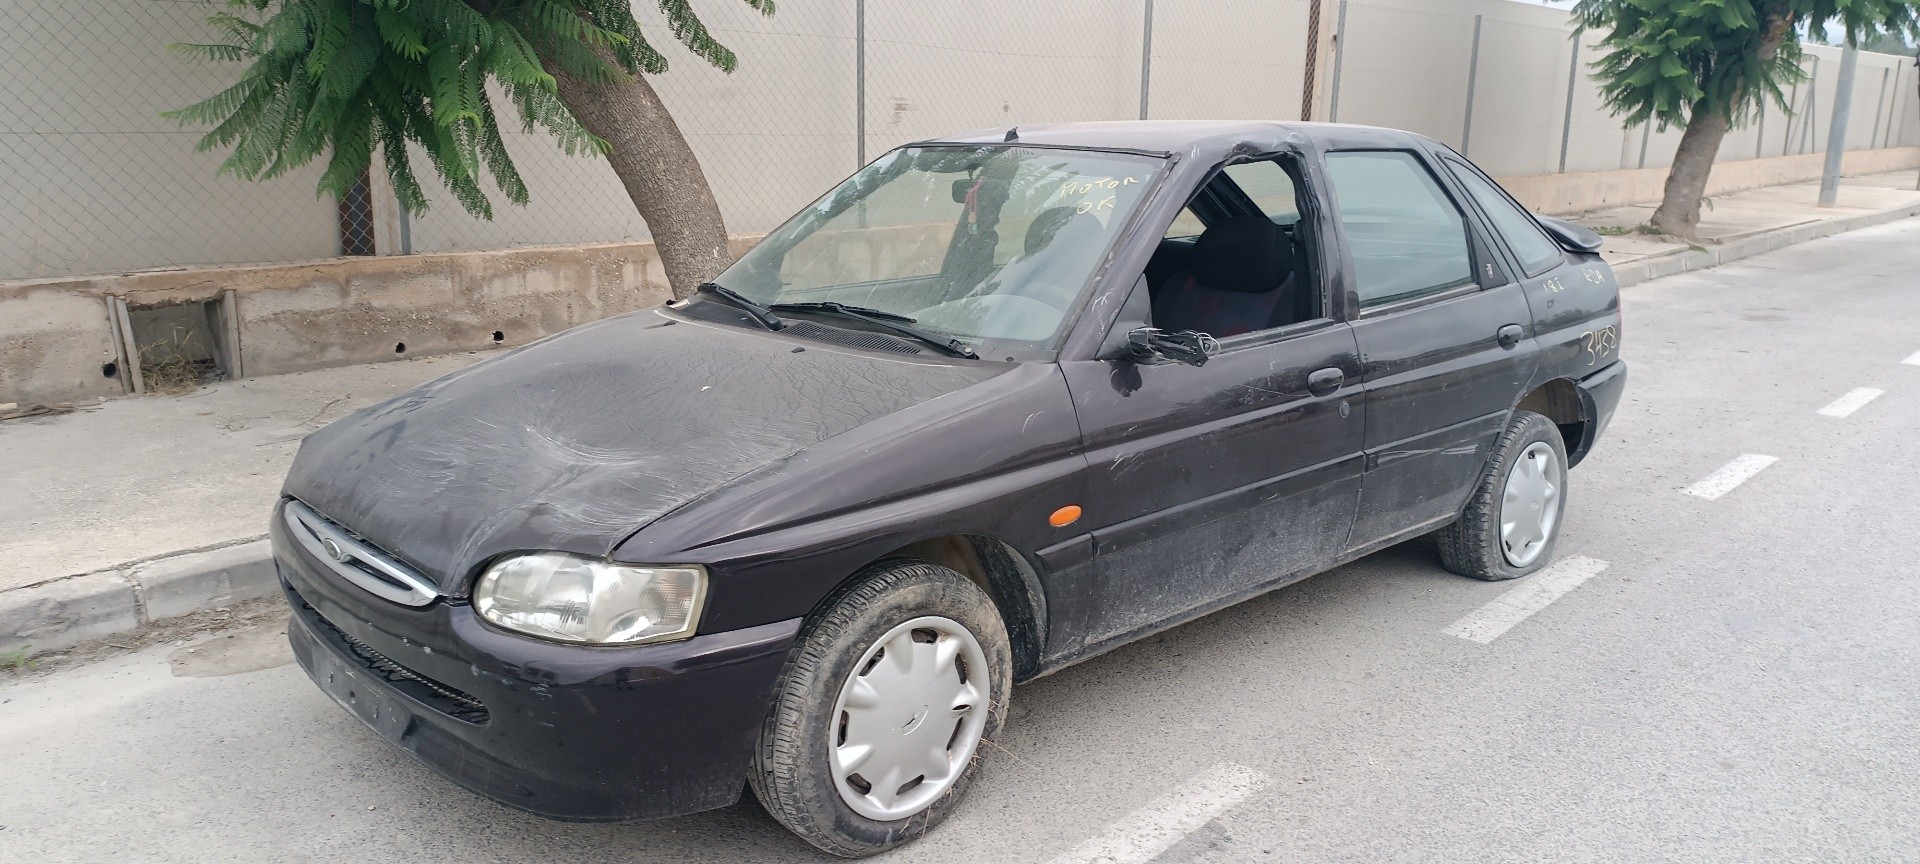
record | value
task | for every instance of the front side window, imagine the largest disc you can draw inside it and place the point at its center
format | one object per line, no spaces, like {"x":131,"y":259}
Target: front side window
{"x":1536,"y":252}
{"x":993,"y":245}
{"x":1407,"y":237}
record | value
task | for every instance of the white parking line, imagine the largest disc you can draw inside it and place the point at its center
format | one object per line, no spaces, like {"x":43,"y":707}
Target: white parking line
{"x":1154,"y":829}
{"x":1913,"y":360}
{"x":1486,"y":623}
{"x":1853,"y":401}
{"x":1730,"y":476}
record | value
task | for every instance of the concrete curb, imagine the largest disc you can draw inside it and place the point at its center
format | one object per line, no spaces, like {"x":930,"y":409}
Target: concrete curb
{"x":66,"y":612}
{"x":1671,"y":263}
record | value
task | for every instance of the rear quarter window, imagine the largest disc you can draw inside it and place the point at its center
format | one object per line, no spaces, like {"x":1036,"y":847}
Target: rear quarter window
{"x":1536,"y":251}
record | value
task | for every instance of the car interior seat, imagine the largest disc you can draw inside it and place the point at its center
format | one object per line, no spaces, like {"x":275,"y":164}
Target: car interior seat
{"x":1240,"y":280}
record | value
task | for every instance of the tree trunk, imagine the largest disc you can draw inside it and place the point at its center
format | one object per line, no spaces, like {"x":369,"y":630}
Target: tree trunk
{"x":1679,"y":212}
{"x":663,"y":177}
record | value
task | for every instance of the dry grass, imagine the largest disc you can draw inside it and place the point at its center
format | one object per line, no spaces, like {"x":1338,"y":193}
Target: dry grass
{"x":169,"y":368}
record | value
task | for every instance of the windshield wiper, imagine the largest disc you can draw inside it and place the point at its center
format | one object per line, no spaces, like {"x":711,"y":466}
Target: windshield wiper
{"x":835,"y":307}
{"x":942,"y":342}
{"x":760,"y":314}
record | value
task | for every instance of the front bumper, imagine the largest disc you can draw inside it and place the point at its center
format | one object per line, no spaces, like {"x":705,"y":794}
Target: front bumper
{"x":567,"y":732}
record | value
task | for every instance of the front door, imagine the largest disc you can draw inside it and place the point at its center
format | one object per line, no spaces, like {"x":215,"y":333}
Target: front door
{"x":1208,"y":481}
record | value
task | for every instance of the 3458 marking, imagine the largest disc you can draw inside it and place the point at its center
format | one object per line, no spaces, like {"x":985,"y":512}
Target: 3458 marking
{"x":1597,"y":344}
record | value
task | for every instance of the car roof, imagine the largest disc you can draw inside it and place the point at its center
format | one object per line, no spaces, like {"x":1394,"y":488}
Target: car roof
{"x":1183,"y":136}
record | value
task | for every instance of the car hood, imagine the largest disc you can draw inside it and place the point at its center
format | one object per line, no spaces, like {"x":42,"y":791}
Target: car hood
{"x":574,"y":442}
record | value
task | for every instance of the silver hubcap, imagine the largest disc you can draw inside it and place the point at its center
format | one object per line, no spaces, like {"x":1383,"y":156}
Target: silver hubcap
{"x":1530,"y":505}
{"x":908,"y":719}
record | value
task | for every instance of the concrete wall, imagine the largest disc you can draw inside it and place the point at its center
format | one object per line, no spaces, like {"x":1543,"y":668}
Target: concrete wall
{"x":56,"y":335}
{"x":1407,"y":64}
{"x":92,"y":180}
{"x":1577,"y":192}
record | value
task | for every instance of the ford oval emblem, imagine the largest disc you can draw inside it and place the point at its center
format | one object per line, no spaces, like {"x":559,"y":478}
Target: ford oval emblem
{"x":334,"y":550}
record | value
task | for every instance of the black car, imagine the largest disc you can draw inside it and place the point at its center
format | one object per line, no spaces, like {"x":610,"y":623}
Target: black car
{"x":995,"y":404}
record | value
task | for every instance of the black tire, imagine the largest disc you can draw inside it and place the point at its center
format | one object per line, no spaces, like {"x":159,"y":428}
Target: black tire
{"x":790,"y":772}
{"x":1471,"y":545}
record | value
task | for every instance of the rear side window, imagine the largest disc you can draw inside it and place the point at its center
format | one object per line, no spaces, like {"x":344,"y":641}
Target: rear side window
{"x":1407,"y":237}
{"x":1267,"y":185}
{"x":1536,"y":252}
{"x":1185,"y":225}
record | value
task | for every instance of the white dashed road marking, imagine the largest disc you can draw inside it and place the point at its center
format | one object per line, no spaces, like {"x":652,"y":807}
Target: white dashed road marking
{"x":1730,"y":476}
{"x":1853,"y":401}
{"x":1485,"y":624}
{"x":1154,"y":829}
{"x":1913,"y":360}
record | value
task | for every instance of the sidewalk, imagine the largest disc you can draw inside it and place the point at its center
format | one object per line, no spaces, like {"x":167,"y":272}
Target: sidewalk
{"x":143,"y":508}
{"x":1749,"y":222}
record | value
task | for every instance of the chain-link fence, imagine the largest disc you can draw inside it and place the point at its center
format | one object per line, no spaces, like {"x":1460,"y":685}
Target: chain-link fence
{"x":93,"y":180}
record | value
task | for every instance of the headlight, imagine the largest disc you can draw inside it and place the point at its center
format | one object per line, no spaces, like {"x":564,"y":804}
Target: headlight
{"x":568,"y":598}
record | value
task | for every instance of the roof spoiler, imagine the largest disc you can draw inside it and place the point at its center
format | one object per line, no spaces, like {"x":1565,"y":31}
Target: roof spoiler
{"x":1571,"y":237}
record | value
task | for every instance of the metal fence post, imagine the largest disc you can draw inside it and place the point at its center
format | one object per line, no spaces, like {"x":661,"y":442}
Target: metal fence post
{"x":1898,"y":131}
{"x":1879,"y":103}
{"x":1809,"y":138}
{"x":1786,"y":135}
{"x":1313,"y":60}
{"x":1146,"y":59}
{"x":406,"y":226}
{"x":860,"y":81}
{"x":1573,"y":76}
{"x":1339,"y":55}
{"x":1646,"y":132}
{"x":1473,"y":75}
{"x":1837,"y":133}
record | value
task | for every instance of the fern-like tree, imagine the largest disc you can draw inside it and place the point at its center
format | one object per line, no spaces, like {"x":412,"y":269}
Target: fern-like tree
{"x":349,"y":79}
{"x":1707,"y":65}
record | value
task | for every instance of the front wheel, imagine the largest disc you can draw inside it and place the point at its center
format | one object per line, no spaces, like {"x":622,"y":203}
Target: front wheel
{"x":1513,"y":516}
{"x":880,"y":719}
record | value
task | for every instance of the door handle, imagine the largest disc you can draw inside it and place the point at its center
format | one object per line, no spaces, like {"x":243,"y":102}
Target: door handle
{"x":1509,"y":335}
{"x":1324,"y":381}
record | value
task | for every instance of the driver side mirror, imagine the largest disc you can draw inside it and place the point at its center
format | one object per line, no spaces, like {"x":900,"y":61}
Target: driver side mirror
{"x":1186,"y":346}
{"x":1135,"y":339}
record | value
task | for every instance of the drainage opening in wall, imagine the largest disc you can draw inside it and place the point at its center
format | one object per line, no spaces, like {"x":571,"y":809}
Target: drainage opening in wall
{"x":180,"y":346}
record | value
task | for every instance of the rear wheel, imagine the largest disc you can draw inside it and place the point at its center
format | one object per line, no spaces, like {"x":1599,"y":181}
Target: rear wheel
{"x":1513,"y":516}
{"x":884,"y":708}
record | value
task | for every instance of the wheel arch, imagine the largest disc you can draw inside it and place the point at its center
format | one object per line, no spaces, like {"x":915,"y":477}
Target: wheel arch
{"x":1570,"y":408}
{"x":1008,"y":577}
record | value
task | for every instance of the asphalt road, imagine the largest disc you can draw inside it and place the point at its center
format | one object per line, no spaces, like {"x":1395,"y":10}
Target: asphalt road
{"x":1737,"y":683}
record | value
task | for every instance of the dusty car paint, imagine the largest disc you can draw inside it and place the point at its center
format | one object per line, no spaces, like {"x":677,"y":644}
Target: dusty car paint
{"x":784,"y":464}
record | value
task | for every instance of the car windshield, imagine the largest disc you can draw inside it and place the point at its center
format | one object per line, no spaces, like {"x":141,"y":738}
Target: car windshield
{"x":990,"y":245}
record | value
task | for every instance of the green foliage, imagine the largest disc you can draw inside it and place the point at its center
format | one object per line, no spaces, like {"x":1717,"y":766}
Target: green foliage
{"x":347,"y":77}
{"x":19,"y":660}
{"x":1669,"y":58}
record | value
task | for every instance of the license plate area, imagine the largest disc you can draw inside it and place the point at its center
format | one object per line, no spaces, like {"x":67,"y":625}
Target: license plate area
{"x":363,"y":696}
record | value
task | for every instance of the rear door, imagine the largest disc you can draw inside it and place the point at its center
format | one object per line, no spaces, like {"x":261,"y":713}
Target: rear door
{"x":1576,"y":302}
{"x":1444,"y":335}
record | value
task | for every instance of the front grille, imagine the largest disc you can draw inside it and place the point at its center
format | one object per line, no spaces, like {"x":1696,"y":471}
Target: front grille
{"x":450,"y":701}
{"x":852,"y":338}
{"x":355,"y":560}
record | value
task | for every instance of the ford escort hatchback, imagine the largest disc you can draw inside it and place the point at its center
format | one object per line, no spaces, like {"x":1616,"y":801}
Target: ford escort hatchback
{"x":995,"y":404}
